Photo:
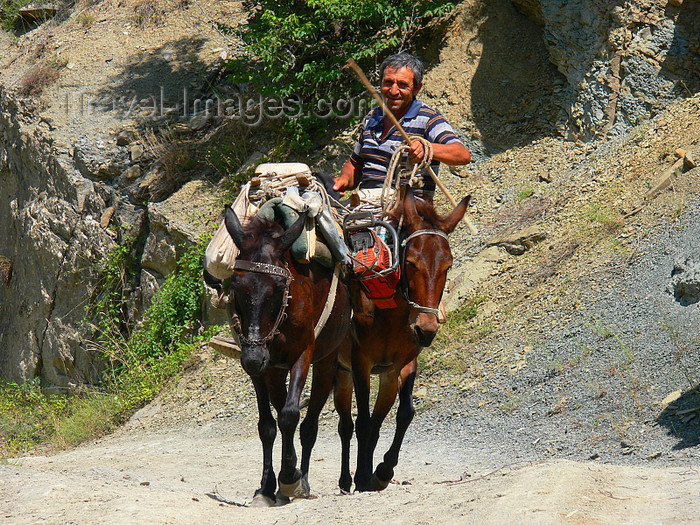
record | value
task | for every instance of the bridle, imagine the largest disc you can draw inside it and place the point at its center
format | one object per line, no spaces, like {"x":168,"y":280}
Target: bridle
{"x":269,"y":269}
{"x":404,"y":281}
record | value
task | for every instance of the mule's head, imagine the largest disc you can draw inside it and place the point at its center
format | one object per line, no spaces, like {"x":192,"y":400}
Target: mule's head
{"x":426,"y":260}
{"x":259,"y":296}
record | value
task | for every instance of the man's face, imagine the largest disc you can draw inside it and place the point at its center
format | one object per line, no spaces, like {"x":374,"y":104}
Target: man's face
{"x":399,"y":90}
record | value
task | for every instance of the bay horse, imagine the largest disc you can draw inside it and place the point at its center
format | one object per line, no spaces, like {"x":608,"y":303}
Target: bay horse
{"x":278,"y":302}
{"x":387,"y":341}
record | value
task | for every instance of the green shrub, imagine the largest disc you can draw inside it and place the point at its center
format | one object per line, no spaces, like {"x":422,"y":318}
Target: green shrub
{"x":26,"y":416}
{"x":8,"y":12}
{"x":524,"y":193}
{"x":599,"y":214}
{"x":143,"y":359}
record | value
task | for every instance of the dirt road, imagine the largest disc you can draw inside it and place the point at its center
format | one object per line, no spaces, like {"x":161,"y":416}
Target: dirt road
{"x":208,"y":473}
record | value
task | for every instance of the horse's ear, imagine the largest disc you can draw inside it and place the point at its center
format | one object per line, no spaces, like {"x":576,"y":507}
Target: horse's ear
{"x":292,"y":233}
{"x":233,"y":226}
{"x":450,"y":222}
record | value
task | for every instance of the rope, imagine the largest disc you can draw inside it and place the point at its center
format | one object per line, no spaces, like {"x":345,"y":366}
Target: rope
{"x":380,"y":207}
{"x":273,"y":185}
{"x":394,"y":175}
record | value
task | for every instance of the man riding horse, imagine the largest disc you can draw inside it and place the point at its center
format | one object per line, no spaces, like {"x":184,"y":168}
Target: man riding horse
{"x":401,"y":80}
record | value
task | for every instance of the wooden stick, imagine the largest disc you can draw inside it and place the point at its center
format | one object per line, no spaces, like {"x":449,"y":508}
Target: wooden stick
{"x":365,"y":81}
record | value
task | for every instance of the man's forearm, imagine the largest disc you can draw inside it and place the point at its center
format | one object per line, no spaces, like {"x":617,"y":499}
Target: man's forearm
{"x":454,"y":154}
{"x":349,"y":177}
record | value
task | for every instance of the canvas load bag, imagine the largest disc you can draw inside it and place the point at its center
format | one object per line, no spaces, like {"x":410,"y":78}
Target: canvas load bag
{"x":271,"y":179}
{"x":221,"y":252}
{"x":280,"y":192}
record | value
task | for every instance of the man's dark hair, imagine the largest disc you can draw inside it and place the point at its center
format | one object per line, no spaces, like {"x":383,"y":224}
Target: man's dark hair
{"x":404,"y":60}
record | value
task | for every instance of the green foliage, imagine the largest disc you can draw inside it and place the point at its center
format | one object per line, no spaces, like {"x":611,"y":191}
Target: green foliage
{"x":26,"y":416}
{"x":525,"y":193}
{"x":175,"y":309}
{"x":155,"y":350}
{"x":466,"y":312}
{"x":108,"y":309}
{"x":450,"y":349}
{"x":140,"y":360}
{"x":8,"y":12}
{"x":599,"y":214}
{"x":295,"y":49}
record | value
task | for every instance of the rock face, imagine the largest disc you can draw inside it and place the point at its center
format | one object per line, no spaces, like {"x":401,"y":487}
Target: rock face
{"x":51,"y":234}
{"x":518,"y":242}
{"x":56,"y":226}
{"x":625,"y":61}
{"x":685,"y":281}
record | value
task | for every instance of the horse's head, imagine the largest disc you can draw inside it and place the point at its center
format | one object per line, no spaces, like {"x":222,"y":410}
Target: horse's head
{"x":260,"y":284}
{"x":426,"y":258}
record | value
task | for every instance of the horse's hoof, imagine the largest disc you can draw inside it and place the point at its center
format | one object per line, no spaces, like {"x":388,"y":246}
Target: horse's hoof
{"x":378,"y":484}
{"x":298,"y":489}
{"x":260,"y":501}
{"x":345,"y":487}
{"x":281,"y":499}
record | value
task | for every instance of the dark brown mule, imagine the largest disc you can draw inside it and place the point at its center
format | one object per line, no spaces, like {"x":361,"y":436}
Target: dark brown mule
{"x":388,"y":341}
{"x":278,"y":302}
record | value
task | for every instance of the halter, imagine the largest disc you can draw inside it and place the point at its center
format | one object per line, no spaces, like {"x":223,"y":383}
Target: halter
{"x":404,"y":288}
{"x":270,"y":269}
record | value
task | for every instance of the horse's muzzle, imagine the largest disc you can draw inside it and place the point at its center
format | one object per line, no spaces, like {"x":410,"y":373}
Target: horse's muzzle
{"x":425,"y":327}
{"x":423,"y":337}
{"x":254,"y":360}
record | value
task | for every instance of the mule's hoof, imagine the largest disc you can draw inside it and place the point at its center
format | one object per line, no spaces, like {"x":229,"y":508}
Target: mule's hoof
{"x":260,"y":501}
{"x":298,"y":489}
{"x":378,"y":484}
{"x":281,"y":499}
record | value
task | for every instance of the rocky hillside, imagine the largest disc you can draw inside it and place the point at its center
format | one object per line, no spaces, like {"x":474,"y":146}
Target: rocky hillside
{"x":100,"y":144}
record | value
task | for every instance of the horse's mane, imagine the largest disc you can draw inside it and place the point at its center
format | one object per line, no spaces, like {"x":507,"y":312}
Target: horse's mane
{"x":260,"y":232}
{"x":425,"y":210}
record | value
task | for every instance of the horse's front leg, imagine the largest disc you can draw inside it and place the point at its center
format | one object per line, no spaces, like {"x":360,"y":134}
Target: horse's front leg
{"x":290,"y":477}
{"x":404,"y":415}
{"x":388,"y":387}
{"x":321,"y":385}
{"x":265,"y":495}
{"x":361,"y":369}
{"x":343,"y":406}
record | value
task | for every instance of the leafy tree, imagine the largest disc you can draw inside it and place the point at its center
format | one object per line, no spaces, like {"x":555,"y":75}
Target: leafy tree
{"x":295,"y":50}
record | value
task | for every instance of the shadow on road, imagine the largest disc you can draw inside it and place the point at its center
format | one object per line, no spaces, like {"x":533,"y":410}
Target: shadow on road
{"x":682,"y":419}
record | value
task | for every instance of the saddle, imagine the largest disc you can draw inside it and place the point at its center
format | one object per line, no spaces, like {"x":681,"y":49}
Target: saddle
{"x":281,"y":192}
{"x":374,"y":264}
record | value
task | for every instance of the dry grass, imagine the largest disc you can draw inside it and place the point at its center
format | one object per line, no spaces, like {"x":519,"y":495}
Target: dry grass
{"x":154,"y":12}
{"x":86,"y":19}
{"x":37,"y":79}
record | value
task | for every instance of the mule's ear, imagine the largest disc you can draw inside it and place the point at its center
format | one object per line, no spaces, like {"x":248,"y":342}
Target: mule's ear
{"x":233,"y":226}
{"x":212,"y":281}
{"x":452,"y":220}
{"x":292,"y":233}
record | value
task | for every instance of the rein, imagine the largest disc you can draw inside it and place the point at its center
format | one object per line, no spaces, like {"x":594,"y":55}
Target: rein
{"x":404,"y":287}
{"x":269,"y":269}
{"x":280,"y":271}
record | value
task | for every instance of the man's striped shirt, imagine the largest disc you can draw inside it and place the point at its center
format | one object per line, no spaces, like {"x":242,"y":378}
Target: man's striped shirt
{"x":375,"y":154}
